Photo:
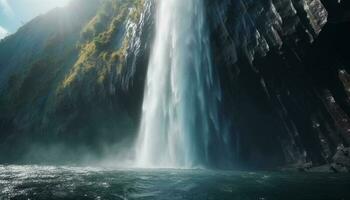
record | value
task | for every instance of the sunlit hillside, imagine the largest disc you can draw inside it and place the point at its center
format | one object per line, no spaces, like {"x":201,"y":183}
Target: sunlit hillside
{"x":61,"y":76}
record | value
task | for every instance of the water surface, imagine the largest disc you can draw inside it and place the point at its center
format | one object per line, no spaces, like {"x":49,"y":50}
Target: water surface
{"x":50,"y":182}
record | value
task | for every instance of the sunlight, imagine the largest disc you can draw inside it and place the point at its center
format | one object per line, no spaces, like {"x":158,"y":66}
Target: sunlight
{"x":40,"y":6}
{"x":3,"y":32}
{"x":15,"y":13}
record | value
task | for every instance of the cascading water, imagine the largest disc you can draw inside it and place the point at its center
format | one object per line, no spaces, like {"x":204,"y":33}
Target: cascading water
{"x":180,"y":124}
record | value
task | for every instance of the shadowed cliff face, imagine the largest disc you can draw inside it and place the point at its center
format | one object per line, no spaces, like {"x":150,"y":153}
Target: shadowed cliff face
{"x":75,"y":85}
{"x":284,"y":80}
{"x":252,"y":41}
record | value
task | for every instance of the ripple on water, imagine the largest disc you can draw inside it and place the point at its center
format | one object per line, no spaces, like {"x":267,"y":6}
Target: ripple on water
{"x":49,"y":182}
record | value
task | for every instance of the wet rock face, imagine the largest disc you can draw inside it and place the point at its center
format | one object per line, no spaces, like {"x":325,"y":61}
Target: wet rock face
{"x":253,"y":28}
{"x":342,"y":157}
{"x":284,"y":91}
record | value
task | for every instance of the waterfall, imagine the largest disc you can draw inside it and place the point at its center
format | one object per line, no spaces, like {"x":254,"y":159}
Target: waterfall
{"x":180,"y":125}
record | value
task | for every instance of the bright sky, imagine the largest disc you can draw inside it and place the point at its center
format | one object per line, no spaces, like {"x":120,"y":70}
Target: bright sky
{"x":14,"y":13}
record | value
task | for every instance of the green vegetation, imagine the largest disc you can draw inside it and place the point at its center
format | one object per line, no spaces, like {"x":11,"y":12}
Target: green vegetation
{"x":104,"y":42}
{"x":63,"y":73}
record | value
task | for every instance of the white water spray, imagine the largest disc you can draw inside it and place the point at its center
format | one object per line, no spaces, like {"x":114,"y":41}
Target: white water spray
{"x":180,"y":122}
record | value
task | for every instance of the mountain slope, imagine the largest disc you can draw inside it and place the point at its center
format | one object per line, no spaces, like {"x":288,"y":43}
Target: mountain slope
{"x":59,"y":72}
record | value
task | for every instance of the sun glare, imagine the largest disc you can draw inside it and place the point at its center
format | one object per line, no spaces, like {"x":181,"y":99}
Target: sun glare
{"x":44,"y":5}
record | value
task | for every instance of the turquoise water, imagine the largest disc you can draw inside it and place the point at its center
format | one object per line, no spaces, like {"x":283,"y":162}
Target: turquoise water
{"x":45,"y":182}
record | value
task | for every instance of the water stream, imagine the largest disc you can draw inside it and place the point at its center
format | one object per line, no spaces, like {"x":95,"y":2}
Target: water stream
{"x":180,"y":122}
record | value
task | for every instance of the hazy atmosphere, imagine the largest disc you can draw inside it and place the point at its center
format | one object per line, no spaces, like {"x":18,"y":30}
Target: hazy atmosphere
{"x":175,"y":99}
{"x":15,"y":13}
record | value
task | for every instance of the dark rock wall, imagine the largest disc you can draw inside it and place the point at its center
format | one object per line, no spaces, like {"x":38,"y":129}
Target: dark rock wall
{"x":284,"y":79}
